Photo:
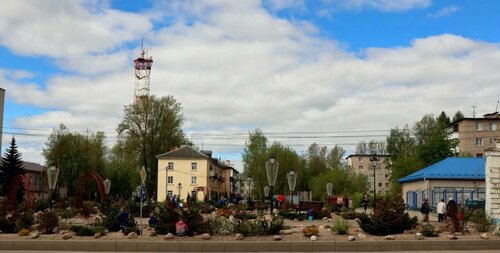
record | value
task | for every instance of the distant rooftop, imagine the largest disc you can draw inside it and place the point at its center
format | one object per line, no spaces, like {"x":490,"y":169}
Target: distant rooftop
{"x":450,"y":168}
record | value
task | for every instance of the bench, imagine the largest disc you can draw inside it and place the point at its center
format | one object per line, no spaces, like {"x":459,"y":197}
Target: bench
{"x":314,"y":205}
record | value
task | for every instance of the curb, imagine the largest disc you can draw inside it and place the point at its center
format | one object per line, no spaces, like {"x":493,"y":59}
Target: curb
{"x":325,"y":246}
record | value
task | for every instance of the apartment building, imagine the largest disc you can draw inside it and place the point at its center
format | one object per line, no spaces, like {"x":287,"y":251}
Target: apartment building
{"x":362,"y":164}
{"x":186,"y":171}
{"x":36,"y":172}
{"x":474,"y":135}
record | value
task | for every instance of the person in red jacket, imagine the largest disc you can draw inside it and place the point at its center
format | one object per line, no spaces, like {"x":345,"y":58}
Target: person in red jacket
{"x":281,"y":199}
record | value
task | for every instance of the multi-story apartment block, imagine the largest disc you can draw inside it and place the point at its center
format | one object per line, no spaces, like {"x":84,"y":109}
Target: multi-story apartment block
{"x":362,"y":164}
{"x":474,"y":135}
{"x":36,"y":172}
{"x":186,"y":171}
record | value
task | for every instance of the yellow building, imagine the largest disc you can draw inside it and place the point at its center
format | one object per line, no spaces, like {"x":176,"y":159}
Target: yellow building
{"x":186,"y":171}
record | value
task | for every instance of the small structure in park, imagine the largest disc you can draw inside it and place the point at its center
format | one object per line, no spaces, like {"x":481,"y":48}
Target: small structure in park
{"x":493,"y":184}
{"x":459,"y":178}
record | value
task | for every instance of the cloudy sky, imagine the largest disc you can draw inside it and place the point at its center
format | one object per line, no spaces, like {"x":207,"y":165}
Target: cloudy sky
{"x":324,"y":71}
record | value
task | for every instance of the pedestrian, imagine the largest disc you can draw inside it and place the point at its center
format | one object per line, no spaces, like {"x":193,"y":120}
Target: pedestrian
{"x":181,"y":228}
{"x":425,"y":209}
{"x":440,"y":209}
{"x":365,"y":201}
{"x":452,"y":212}
{"x":310,"y":214}
{"x":123,"y":218}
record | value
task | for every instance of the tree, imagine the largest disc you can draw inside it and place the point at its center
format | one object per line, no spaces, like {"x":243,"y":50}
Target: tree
{"x":443,"y":120}
{"x":370,"y":148}
{"x":74,"y":154}
{"x":458,"y":116}
{"x":152,"y":126}
{"x":344,"y":181}
{"x":121,"y":169}
{"x":288,"y":160}
{"x":362,"y":148}
{"x":433,"y":142}
{"x":335,"y":157}
{"x":254,"y":158}
{"x":11,"y":166}
{"x":316,"y":159}
{"x":424,"y":128}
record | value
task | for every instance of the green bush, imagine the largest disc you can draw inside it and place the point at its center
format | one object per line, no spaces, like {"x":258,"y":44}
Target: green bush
{"x":82,"y":230}
{"x":244,"y":227}
{"x":47,"y":221}
{"x":7,"y":226}
{"x":216,"y":224}
{"x":323,"y":213}
{"x":429,"y":231}
{"x":481,"y":221}
{"x":110,"y":219}
{"x":340,"y":226}
{"x":25,"y":220}
{"x":41,"y":205}
{"x":66,"y":213}
{"x":388,"y":218}
{"x":292,"y":215}
{"x":350,"y":214}
{"x":88,"y":208}
{"x":167,"y":217}
{"x":309,"y":231}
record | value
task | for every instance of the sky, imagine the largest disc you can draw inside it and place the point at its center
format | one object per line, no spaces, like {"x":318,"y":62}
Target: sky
{"x":332,"y":72}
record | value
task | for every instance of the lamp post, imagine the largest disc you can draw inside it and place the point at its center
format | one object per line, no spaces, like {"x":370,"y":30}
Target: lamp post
{"x":374,"y":161}
{"x":142,"y":192}
{"x":179,"y":188}
{"x":329,"y":188}
{"x":52,"y":175}
{"x":266,"y":193}
{"x":107,"y":187}
{"x":272,"y":172}
{"x":292,"y":181}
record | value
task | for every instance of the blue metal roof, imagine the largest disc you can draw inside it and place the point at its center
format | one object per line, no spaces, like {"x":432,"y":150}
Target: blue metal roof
{"x":450,"y":168}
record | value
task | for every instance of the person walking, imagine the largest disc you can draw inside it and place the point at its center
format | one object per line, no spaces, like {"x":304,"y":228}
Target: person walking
{"x":425,"y":209}
{"x":365,"y":201}
{"x":440,"y":209}
{"x":452,"y":212}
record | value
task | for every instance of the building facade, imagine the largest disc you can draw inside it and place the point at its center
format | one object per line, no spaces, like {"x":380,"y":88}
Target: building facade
{"x":186,"y":171}
{"x":475,"y":135}
{"x":36,"y":172}
{"x":2,"y":99}
{"x":380,"y":178}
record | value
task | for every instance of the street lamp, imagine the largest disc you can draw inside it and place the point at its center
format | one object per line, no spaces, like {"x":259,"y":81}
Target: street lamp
{"x":329,"y":188}
{"x":179,"y":188}
{"x":292,"y":181}
{"x":52,"y":175}
{"x":107,"y":185}
{"x":266,"y":191}
{"x":374,"y":161}
{"x":272,"y":172}
{"x":143,"y":189}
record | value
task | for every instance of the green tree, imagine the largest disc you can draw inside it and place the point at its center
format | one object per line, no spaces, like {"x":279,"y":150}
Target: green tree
{"x":433,"y":142}
{"x":370,"y":148}
{"x":255,"y":156}
{"x":11,"y":166}
{"x":344,"y":181}
{"x":335,"y":157}
{"x":121,"y":169}
{"x":317,"y":160}
{"x":458,"y":116}
{"x":74,"y":154}
{"x":443,"y":120}
{"x":152,"y":126}
{"x":288,"y":160}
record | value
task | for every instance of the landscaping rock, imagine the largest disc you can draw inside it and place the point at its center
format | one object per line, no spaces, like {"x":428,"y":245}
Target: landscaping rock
{"x":132,"y":235}
{"x":329,"y":220}
{"x":321,"y":227}
{"x":1,"y":232}
{"x":314,"y":238}
{"x":286,"y":232}
{"x":484,"y":236}
{"x":205,"y":236}
{"x":452,"y":237}
{"x":389,"y":237}
{"x":419,"y":236}
{"x":97,"y":235}
{"x":457,"y":234}
{"x":437,"y":229}
{"x":277,"y":238}
{"x":296,"y":220}
{"x":496,"y":232}
{"x":361,"y":236}
{"x":67,"y":236}
{"x":225,"y":232}
{"x":231,"y":218}
{"x":325,"y":218}
{"x":153,"y":233}
{"x":55,"y":230}
{"x":169,"y":236}
{"x":351,"y":238}
{"x":35,"y":234}
{"x":239,"y":237}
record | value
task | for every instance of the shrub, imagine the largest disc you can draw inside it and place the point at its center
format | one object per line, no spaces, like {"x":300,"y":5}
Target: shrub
{"x":429,"y":231}
{"x":340,"y":226}
{"x":66,"y":213}
{"x":244,"y":227}
{"x":7,"y":226}
{"x":87,"y":230}
{"x":88,"y":208}
{"x":24,"y":232}
{"x":47,"y":221}
{"x":292,"y":215}
{"x":388,"y":218}
{"x":481,"y":221}
{"x":322,"y":214}
{"x":25,"y":220}
{"x":349,"y":214}
{"x":110,"y":220}
{"x":41,"y":205}
{"x":310,"y":231}
{"x":216,"y":224}
{"x":167,"y":217}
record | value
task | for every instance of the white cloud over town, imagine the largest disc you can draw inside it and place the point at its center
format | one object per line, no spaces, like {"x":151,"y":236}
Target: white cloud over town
{"x":236,"y":67}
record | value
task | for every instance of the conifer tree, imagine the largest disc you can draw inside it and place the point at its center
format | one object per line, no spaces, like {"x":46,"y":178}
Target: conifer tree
{"x":10,"y":166}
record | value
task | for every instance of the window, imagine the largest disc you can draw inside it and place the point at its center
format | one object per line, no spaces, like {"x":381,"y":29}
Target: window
{"x":170,"y":179}
{"x":170,"y":166}
{"x":479,"y":155}
{"x":193,"y":180}
{"x":360,"y":158}
{"x":386,"y":176}
{"x":194,"y":166}
{"x":170,"y":194}
{"x":479,"y":141}
{"x":379,"y":184}
{"x":360,"y":167}
{"x":479,"y":126}
{"x":493,"y":126}
{"x":386,"y":184}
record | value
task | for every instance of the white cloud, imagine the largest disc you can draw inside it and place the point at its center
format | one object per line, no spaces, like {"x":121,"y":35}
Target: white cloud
{"x":239,"y":68}
{"x":446,"y":11}
{"x":383,"y":5}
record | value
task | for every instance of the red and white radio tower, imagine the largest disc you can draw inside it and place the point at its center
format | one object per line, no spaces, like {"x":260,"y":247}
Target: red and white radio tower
{"x":142,"y":66}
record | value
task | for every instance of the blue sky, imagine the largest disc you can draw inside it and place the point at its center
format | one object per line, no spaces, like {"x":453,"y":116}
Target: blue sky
{"x":283,"y":66}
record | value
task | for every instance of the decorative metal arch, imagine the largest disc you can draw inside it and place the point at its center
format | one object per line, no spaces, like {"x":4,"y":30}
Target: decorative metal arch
{"x":83,"y":182}
{"x":28,"y":190}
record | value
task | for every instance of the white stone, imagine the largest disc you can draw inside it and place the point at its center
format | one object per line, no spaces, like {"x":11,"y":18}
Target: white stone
{"x":314,"y":238}
{"x":361,"y":236}
{"x":389,"y":237}
{"x":325,"y":218}
{"x":452,"y":237}
{"x":351,"y":238}
{"x":205,"y":236}
{"x":329,"y":220}
{"x":225,"y":232}
{"x":132,"y":235}
{"x":484,"y":236}
{"x":286,"y":232}
{"x":239,"y":237}
{"x":97,"y":235}
{"x":55,"y":230}
{"x":419,"y":236}
{"x":321,"y":227}
{"x":67,"y":236}
{"x":277,"y":238}
{"x":169,"y":236}
{"x":35,"y":234}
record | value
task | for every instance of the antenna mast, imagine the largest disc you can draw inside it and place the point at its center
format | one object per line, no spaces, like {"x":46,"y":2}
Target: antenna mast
{"x":496,"y":109}
{"x":142,"y":67}
{"x":473,"y":111}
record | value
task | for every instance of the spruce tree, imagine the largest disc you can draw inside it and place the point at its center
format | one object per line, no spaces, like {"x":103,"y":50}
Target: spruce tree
{"x":10,"y":166}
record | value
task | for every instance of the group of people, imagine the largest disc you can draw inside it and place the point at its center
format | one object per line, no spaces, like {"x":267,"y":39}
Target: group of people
{"x":444,"y":211}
